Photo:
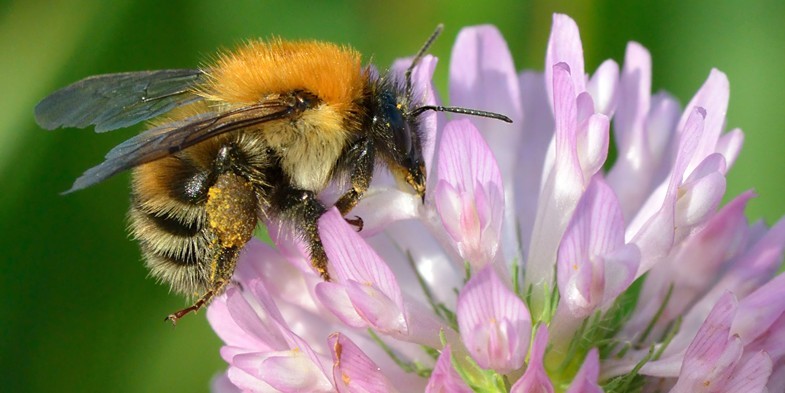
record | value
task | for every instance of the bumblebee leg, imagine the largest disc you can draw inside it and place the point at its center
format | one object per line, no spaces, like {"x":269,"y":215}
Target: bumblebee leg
{"x":302,"y":208}
{"x":232,"y":211}
{"x":359,"y":158}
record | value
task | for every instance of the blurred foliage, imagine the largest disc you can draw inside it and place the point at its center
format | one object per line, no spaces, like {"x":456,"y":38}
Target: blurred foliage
{"x":77,"y":311}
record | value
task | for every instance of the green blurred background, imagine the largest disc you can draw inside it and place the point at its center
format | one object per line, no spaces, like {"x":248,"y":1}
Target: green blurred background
{"x":77,"y":311}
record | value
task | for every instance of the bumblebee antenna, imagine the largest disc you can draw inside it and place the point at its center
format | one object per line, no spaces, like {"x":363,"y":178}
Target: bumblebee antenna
{"x":419,"y":57}
{"x":463,"y":111}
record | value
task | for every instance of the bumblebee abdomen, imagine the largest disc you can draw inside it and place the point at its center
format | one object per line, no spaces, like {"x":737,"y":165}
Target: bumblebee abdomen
{"x":174,"y":251}
{"x":168,"y":218}
{"x":191,"y":210}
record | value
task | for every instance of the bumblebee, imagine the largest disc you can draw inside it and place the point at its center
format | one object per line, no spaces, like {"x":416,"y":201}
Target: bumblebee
{"x":254,"y":136}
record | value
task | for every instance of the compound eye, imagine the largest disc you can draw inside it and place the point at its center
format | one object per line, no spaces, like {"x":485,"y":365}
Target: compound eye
{"x":401,"y":132}
{"x":403,"y":137}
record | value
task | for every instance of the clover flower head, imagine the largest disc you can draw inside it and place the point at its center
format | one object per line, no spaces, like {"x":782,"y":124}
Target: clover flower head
{"x":537,"y":262}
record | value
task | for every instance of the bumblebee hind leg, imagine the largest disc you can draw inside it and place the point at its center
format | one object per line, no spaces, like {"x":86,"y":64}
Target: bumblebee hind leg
{"x":232,"y":215}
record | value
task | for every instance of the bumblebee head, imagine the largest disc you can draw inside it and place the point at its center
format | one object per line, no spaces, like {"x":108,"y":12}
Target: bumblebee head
{"x":402,"y":139}
{"x":395,"y":123}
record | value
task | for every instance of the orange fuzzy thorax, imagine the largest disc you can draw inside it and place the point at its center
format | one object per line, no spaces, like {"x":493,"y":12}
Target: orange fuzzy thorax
{"x":258,"y":69}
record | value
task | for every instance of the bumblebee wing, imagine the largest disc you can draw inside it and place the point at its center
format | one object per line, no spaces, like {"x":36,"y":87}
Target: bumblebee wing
{"x":120,"y":100}
{"x":170,"y":138}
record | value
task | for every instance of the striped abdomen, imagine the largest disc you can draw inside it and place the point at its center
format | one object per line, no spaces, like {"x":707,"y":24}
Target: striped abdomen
{"x":193,"y":212}
{"x":168,"y":218}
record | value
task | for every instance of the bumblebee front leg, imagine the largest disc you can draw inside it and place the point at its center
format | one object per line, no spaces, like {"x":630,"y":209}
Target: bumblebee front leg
{"x":303,"y":209}
{"x":232,"y":214}
{"x":359,"y":160}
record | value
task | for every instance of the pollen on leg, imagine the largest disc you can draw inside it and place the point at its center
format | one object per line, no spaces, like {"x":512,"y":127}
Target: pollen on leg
{"x":231,"y":210}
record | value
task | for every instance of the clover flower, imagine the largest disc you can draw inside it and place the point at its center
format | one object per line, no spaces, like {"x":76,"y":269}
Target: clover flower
{"x":536,"y":264}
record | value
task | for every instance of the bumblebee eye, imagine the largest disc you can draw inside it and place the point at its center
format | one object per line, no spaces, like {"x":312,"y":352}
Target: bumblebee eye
{"x":403,"y":137}
{"x":397,"y":126}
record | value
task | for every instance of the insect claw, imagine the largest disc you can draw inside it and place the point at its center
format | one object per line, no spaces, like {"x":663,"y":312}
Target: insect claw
{"x":356,"y":221}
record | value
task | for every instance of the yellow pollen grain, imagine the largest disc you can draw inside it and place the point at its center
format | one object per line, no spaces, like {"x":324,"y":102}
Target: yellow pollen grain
{"x":345,"y":378}
{"x":213,"y":269}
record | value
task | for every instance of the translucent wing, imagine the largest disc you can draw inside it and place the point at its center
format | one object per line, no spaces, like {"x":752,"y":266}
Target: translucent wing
{"x":170,"y":138}
{"x":115,"y":101}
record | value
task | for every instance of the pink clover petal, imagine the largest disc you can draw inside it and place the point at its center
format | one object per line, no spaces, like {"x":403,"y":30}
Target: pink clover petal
{"x":665,"y":195}
{"x":246,"y":382}
{"x":381,"y":312}
{"x":353,"y":370}
{"x":353,"y":259}
{"x":584,"y":106}
{"x":760,"y":309}
{"x":268,"y":307}
{"x":483,"y":76}
{"x":631,"y":175}
{"x":469,"y":196}
{"x":592,"y":257}
{"x":444,"y":378}
{"x":334,"y":297}
{"x":222,"y":384}
{"x":777,"y":379}
{"x":771,"y":341}
{"x":714,"y":353}
{"x":286,"y":371}
{"x":661,"y":128}
{"x":281,"y":271}
{"x":752,"y":375}
{"x":537,"y":135}
{"x":465,"y":158}
{"x":634,"y":97}
{"x":562,"y":189}
{"x":760,"y":262}
{"x":621,"y":266}
{"x":449,"y":204}
{"x":370,"y":286}
{"x":603,"y":86}
{"x":535,"y":379}
{"x":255,"y":314}
{"x":592,"y":144}
{"x":433,"y":260}
{"x":701,"y":193}
{"x":749,"y":272}
{"x":564,"y":46}
{"x":493,"y":321}
{"x":225,"y":326}
{"x":693,"y":268}
{"x":713,"y":98}
{"x":729,"y":146}
{"x":380,"y":207}
{"x":656,"y":235}
{"x":259,"y":325}
{"x":585,"y":380}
